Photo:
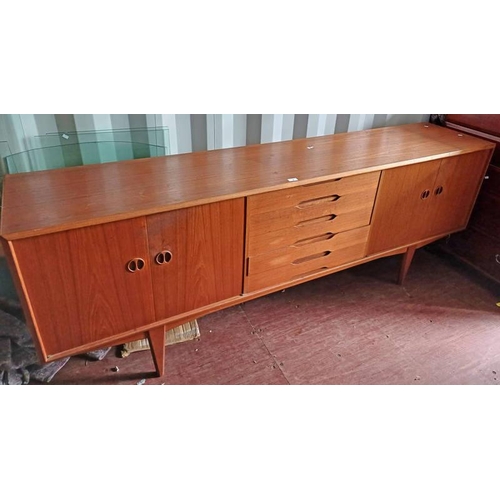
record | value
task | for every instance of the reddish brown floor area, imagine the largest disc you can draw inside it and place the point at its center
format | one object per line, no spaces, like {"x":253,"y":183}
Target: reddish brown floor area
{"x":353,"y":327}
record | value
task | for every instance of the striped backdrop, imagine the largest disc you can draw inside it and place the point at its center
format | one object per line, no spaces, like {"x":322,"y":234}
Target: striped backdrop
{"x":200,"y":132}
{"x":188,"y":133}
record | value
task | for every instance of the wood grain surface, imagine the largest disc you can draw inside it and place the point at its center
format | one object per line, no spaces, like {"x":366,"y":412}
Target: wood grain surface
{"x":156,"y":338}
{"x":49,"y":201}
{"x":206,"y":246}
{"x":489,"y":124}
{"x":291,"y":263}
{"x":78,"y":286}
{"x":402,"y":213}
{"x":459,"y":178}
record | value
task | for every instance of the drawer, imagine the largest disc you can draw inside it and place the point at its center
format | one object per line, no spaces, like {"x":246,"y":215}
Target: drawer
{"x":291,"y":197}
{"x":305,"y":205}
{"x":303,"y":233}
{"x":300,"y":260}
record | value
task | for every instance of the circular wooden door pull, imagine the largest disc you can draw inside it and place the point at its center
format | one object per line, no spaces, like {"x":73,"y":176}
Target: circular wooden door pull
{"x":425,"y":194}
{"x":135,"y":265}
{"x":163,"y":257}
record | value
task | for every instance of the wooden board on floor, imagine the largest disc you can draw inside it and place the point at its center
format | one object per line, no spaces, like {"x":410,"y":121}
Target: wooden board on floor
{"x":183,"y":333}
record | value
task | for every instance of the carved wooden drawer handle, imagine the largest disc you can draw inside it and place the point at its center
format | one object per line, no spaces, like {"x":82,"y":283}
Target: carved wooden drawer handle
{"x":163,"y":257}
{"x":136,"y":264}
{"x":316,"y":201}
{"x":438,"y":190}
{"x":425,"y":194}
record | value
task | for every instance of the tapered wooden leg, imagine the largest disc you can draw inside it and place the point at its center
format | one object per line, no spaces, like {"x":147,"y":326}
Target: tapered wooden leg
{"x":156,"y":338}
{"x":405,"y":264}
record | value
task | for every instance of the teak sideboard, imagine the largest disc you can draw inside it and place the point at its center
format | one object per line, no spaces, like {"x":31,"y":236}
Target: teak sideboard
{"x":106,"y":254}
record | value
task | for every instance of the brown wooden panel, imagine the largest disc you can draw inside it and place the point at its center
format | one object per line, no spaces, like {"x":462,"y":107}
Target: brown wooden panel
{"x":303,"y":197}
{"x":489,"y":124}
{"x":21,"y":292}
{"x":300,"y":234}
{"x":49,"y":201}
{"x":295,"y":262}
{"x":206,"y":264}
{"x":295,"y":254}
{"x":455,"y":191}
{"x":401,"y":214}
{"x":482,"y":126}
{"x":78,"y":285}
{"x":345,"y":213}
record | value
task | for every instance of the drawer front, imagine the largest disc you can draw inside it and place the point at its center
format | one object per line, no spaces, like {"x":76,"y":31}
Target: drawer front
{"x":297,"y":261}
{"x":306,"y":205}
{"x":303,"y":233}
{"x":269,"y":202}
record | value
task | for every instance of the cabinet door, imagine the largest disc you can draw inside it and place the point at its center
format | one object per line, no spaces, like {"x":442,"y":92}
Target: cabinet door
{"x":196,"y":255}
{"x":455,"y":191}
{"x":403,"y":207}
{"x":78,"y":284}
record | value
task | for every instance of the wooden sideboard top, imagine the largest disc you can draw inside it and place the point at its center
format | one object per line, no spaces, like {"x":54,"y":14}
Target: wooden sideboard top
{"x":54,"y":200}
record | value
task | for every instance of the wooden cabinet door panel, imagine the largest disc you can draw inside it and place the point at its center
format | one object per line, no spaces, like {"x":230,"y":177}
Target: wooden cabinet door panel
{"x":402,"y":211}
{"x":203,"y":261}
{"x":78,"y":284}
{"x":455,"y":191}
